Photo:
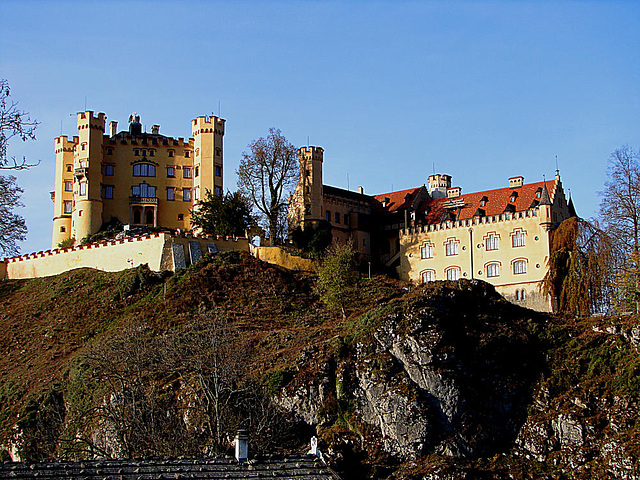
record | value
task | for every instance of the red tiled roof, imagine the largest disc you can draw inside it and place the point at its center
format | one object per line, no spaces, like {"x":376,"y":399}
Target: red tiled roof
{"x":397,"y":200}
{"x":497,"y":201}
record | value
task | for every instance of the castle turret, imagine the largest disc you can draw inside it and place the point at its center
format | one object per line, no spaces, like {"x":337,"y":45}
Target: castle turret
{"x":438,"y":185}
{"x":208,"y":133}
{"x":310,"y":183}
{"x":87,"y":213}
{"x":62,"y":194}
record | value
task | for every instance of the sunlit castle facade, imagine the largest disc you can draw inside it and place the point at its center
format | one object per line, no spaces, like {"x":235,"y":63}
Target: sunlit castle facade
{"x":436,"y":232}
{"x":137,"y":177}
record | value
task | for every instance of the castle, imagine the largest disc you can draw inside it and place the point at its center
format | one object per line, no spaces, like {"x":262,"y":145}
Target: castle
{"x":136,"y":177}
{"x":435,"y":232}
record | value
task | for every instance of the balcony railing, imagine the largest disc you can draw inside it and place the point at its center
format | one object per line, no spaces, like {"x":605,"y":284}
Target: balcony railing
{"x":137,"y":200}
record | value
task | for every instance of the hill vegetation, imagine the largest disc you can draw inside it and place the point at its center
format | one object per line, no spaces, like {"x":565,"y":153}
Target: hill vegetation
{"x":446,"y":380}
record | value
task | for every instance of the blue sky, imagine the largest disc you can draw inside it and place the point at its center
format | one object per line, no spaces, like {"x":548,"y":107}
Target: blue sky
{"x":481,"y":90}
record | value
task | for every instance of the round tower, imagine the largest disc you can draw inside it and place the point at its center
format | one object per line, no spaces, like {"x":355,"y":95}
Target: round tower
{"x":87,"y":212}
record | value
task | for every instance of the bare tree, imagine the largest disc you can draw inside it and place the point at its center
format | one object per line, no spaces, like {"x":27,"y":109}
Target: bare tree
{"x":620,"y":216}
{"x":12,"y":226}
{"x":266,"y":175}
{"x":13,"y":123}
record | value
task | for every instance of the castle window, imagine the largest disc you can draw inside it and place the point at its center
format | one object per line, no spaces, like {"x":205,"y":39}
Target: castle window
{"x":136,"y":152}
{"x":453,"y":273}
{"x":152,"y":153}
{"x":144,"y":153}
{"x":327,"y":215}
{"x":539,"y":193}
{"x":197,"y":172}
{"x":186,"y":194}
{"x":109,"y":151}
{"x":196,"y":193}
{"x":186,"y":154}
{"x":69,"y":168}
{"x":83,"y":188}
{"x":426,"y":251}
{"x":218,"y":171}
{"x":62,"y":229}
{"x":186,"y":172}
{"x":171,"y":172}
{"x":144,"y":170}
{"x":346,"y":219}
{"x":218,"y":190}
{"x":171,"y":193}
{"x":84,"y":146}
{"x":307,"y":209}
{"x":337,"y":217}
{"x":483,"y":202}
{"x":493,"y":270}
{"x":83,"y":164}
{"x":67,"y":206}
{"x":519,"y":266}
{"x":451,"y":247}
{"x":428,"y":276}
{"x":170,"y":153}
{"x":108,"y":191}
{"x":518,"y":238}
{"x":143,"y":190}
{"x":218,"y":151}
{"x":108,"y":170}
{"x":491,"y":242}
{"x":180,"y":217}
{"x":68,"y":186}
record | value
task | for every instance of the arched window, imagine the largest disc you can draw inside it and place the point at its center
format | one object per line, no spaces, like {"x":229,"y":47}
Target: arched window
{"x":428,"y":276}
{"x":493,"y":270}
{"x":519,"y":266}
{"x":453,"y":273}
{"x":518,"y":238}
{"x":451,"y":247}
{"x":426,"y":251}
{"x":491,"y":241}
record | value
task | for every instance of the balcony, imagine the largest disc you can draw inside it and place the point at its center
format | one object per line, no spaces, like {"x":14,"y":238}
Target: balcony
{"x":137,"y":200}
{"x":81,"y":171}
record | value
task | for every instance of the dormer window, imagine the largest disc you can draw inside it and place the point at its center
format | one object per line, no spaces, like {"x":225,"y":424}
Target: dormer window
{"x":514,"y":196}
{"x":483,"y":201}
{"x":539,"y":193}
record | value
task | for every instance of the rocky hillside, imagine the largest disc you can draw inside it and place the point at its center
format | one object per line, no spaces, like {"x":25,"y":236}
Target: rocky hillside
{"x":442,"y":381}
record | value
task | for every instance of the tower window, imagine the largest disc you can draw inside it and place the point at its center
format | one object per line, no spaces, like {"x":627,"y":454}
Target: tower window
{"x":171,"y":153}
{"x":186,"y":172}
{"x":83,"y":188}
{"x":197,"y":172}
{"x":68,"y":186}
{"x":62,"y":229}
{"x":187,"y":154}
{"x":186,"y":194}
{"x":69,"y":168}
{"x":218,"y":171}
{"x":67,"y":206}
{"x":218,"y":190}
{"x":218,"y":151}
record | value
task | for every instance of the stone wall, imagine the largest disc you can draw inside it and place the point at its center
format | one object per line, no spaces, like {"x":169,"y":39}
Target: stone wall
{"x":156,"y":250}
{"x":278,"y":256}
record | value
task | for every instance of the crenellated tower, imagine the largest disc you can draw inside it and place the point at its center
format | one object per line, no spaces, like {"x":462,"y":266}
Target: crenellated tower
{"x":62,"y":195}
{"x":87,"y":164}
{"x":310,"y":183}
{"x":208,"y":133}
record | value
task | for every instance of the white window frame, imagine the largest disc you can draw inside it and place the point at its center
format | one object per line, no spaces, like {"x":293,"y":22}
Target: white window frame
{"x":518,"y":239}
{"x":491,"y":242}
{"x":428,"y":276}
{"x":426,"y":251}
{"x":451,"y":247}
{"x":68,"y":206}
{"x":493,"y":270}
{"x":519,"y":266}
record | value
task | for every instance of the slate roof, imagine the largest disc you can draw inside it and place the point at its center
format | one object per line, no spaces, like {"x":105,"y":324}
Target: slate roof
{"x":303,"y":467}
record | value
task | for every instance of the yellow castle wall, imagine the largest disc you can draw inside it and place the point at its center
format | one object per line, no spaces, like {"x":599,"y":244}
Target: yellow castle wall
{"x":473,"y":257}
{"x":154,"y":250}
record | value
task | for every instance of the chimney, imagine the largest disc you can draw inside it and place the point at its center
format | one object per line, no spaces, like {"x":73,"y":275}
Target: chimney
{"x":242,"y":447}
{"x":113,"y":128}
{"x":155,"y":129}
{"x":516,"y":182}
{"x":361,"y":190}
